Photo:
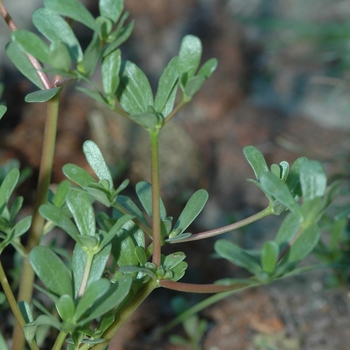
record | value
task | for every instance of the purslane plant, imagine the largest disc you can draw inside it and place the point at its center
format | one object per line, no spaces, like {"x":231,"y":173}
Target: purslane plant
{"x":112,"y":268}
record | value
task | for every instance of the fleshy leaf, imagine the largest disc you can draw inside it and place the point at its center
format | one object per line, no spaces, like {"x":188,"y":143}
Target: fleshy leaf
{"x":3,"y":110}
{"x":144,"y":192}
{"x":72,"y":9}
{"x":83,"y":213}
{"x":275,"y":188}
{"x":65,"y":307}
{"x":110,"y":72}
{"x":313,"y":180}
{"x":192,"y":209}
{"x":51,"y":270}
{"x":256,"y":160}
{"x":189,"y":56}
{"x":59,"y":218}
{"x":42,"y":95}
{"x":237,"y":256}
{"x":78,"y":175}
{"x":134,"y":92}
{"x":95,"y":159}
{"x":21,"y":61}
{"x":165,"y":97}
{"x":57,"y":30}
{"x":269,"y":256}
{"x":31,"y":44}
{"x":111,"y":9}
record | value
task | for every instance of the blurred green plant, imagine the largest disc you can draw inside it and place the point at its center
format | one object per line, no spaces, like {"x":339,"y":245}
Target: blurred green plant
{"x":89,"y":305}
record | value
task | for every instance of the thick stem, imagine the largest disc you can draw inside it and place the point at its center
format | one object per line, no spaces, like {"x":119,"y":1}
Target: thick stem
{"x":59,"y":341}
{"x":203,"y":288}
{"x":125,"y":313}
{"x":89,"y":259}
{"x":13,"y":304}
{"x":154,"y":137}
{"x":218,"y":231}
{"x":36,"y":229}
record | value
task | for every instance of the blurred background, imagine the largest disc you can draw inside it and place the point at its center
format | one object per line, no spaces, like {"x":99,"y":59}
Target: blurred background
{"x":282,"y":85}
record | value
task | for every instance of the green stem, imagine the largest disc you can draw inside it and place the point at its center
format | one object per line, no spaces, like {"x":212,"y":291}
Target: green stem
{"x":13,"y":305}
{"x":154,"y":137}
{"x":198,"y":307}
{"x":174,"y":111}
{"x":36,"y":229}
{"x":59,"y":341}
{"x":204,"y":288}
{"x":218,"y":231}
{"x":124,"y":314}
{"x":89,"y":259}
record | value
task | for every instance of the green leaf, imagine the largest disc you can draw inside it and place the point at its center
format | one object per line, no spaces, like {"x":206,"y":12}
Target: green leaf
{"x":78,"y":175}
{"x":134,"y":92}
{"x":83,"y":213}
{"x":3,"y":110}
{"x":115,"y":295}
{"x":147,"y":120}
{"x":122,"y":36}
{"x":42,"y":95}
{"x":313,"y":180}
{"x":110,"y":72}
{"x":60,"y":57}
{"x":65,"y":307}
{"x":92,"y":55}
{"x":72,"y":9}
{"x":22,"y":63}
{"x":165,"y":97}
{"x":95,"y":291}
{"x":289,"y":227}
{"x":179,"y":271}
{"x":144,"y":193}
{"x":95,"y":95}
{"x":275,"y":188}
{"x":131,"y":208}
{"x":31,"y":44}
{"x":15,"y":207}
{"x":51,"y":270}
{"x":3,"y":343}
{"x":95,"y":159}
{"x":256,"y":160}
{"x":269,"y":256}
{"x":141,"y":255}
{"x":7,"y":187}
{"x":26,"y":311}
{"x":61,"y":192}
{"x":237,"y":256}
{"x":57,"y":30}
{"x":78,"y":266}
{"x":303,"y":245}
{"x":337,"y":231}
{"x":173,"y":260}
{"x":284,"y":170}
{"x":193,"y":85}
{"x":114,"y":229}
{"x":293,"y":182}
{"x":124,"y":243}
{"x":189,"y":56}
{"x":111,"y":9}
{"x":208,"y":68}
{"x":21,"y":227}
{"x":192,"y":209}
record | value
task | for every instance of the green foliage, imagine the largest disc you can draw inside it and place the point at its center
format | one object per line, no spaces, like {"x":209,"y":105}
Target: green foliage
{"x":114,"y":266}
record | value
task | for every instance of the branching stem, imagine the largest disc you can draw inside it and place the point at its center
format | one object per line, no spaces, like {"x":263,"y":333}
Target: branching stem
{"x":218,"y":231}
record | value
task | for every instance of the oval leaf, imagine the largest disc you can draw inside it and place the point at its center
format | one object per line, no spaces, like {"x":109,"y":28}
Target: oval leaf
{"x":256,"y":160}
{"x":83,"y":213}
{"x":269,"y":256}
{"x":134,"y":92}
{"x":51,"y":270}
{"x":111,"y":9}
{"x":78,"y":175}
{"x":110,"y":72}
{"x":192,"y":209}
{"x":72,"y":9}
{"x":42,"y":95}
{"x":95,"y":159}
{"x":189,"y":56}
{"x":313,"y":180}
